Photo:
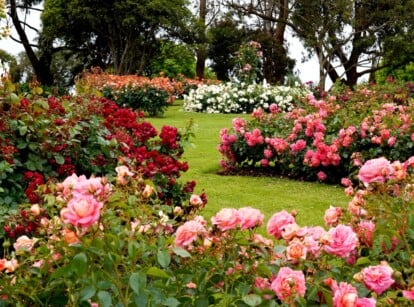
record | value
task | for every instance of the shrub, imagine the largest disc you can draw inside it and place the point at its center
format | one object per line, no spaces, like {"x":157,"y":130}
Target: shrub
{"x":241,"y":98}
{"x":128,"y":249}
{"x":324,"y":139}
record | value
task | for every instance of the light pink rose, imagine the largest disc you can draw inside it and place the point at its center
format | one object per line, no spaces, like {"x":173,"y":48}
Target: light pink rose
{"x":195,"y":200}
{"x":366,"y":302}
{"x":122,"y":172}
{"x":148,"y":191}
{"x":344,"y":295}
{"x":341,"y":241}
{"x":83,"y":211}
{"x":226,"y":219}
{"x":9,"y":266}
{"x":332,"y":215}
{"x":250,"y":217}
{"x":378,"y":278}
{"x":289,"y":284}
{"x":409,"y":294}
{"x":188,"y":233}
{"x":375,"y":170}
{"x":277,"y":222}
{"x":24,"y":243}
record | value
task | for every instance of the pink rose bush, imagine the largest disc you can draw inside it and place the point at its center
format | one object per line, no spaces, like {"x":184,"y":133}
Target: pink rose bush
{"x":309,"y":141}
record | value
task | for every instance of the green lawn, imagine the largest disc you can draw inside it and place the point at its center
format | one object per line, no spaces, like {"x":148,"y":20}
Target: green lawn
{"x":270,"y":195}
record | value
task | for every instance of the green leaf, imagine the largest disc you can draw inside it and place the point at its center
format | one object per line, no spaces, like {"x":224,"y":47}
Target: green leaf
{"x":156,"y":272}
{"x":137,"y":282}
{"x":181,"y":252}
{"x":87,"y":293}
{"x":23,"y":130}
{"x":252,"y":299}
{"x":164,"y":258}
{"x":104,"y":298}
{"x":59,"y":159}
{"x":79,"y":264}
{"x":363,"y":261}
{"x":171,"y":301}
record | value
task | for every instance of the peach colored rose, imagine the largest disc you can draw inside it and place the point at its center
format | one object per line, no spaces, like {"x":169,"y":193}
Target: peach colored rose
{"x":148,"y":191}
{"x":122,"y":172}
{"x":11,"y":265}
{"x":226,"y":219}
{"x":70,"y":237}
{"x":344,"y":295}
{"x":295,"y":251}
{"x":81,"y":212}
{"x":24,"y":243}
{"x":250,"y":217}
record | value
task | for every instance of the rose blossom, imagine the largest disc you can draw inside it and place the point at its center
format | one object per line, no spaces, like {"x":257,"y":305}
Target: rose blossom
{"x":341,"y":241}
{"x":226,"y":219}
{"x":365,"y":230}
{"x":195,"y":200}
{"x":332,"y":215}
{"x":409,"y":294}
{"x":24,"y":243}
{"x":9,"y":266}
{"x":250,"y":217}
{"x":187,"y":233}
{"x":289,"y":284}
{"x":378,"y":278}
{"x":277,"y":222}
{"x":375,"y":170}
{"x":366,"y":302}
{"x":296,"y":250}
{"x":344,"y":294}
{"x":148,"y":191}
{"x":122,"y":171}
{"x":82,"y":212}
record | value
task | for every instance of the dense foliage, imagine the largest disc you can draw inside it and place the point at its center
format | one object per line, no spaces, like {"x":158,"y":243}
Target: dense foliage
{"x":324,"y":139}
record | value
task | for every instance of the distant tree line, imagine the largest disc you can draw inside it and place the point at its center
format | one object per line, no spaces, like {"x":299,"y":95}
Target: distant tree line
{"x":350,"y":39}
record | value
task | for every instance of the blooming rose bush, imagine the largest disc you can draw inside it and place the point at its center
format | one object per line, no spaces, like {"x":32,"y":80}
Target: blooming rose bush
{"x":48,"y":139}
{"x":323,"y":139}
{"x":232,"y":97}
{"x":141,"y":251}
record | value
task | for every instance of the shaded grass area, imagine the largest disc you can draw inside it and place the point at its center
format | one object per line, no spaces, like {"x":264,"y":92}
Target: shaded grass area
{"x":269,"y":194}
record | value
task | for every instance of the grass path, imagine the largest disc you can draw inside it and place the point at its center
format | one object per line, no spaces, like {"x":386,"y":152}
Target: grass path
{"x":270,"y":195}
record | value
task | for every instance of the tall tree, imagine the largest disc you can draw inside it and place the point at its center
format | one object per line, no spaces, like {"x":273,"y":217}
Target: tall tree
{"x":349,"y":37}
{"x":271,"y":19}
{"x":123,"y":34}
{"x":39,"y":60}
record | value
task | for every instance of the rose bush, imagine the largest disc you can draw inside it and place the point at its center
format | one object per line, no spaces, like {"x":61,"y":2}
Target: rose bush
{"x":324,"y":139}
{"x":140,"y":251}
{"x":49,"y":139}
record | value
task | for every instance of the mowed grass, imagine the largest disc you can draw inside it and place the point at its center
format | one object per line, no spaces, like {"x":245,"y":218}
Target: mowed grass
{"x":269,"y":194}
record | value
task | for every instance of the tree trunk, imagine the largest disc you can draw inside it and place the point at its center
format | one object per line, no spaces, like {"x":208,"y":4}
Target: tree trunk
{"x":41,"y":67}
{"x":201,"y":51}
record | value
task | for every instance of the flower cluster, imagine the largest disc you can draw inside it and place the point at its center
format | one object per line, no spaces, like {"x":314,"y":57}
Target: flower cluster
{"x":322,"y":139}
{"x":231,"y":97}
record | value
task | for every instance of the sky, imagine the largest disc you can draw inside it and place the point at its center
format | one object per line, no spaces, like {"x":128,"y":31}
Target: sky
{"x":308,"y":71}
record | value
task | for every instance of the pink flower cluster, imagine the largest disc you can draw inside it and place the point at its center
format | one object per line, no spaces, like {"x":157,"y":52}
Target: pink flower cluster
{"x":230,"y":218}
{"x":84,"y":199}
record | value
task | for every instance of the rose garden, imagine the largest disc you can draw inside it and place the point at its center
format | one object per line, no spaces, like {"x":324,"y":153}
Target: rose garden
{"x":94,"y":209}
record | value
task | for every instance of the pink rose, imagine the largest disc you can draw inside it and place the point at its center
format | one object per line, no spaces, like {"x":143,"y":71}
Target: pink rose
{"x":375,"y":170}
{"x":342,"y":240}
{"x":277,"y":222}
{"x":83,"y":211}
{"x":250,"y":217}
{"x":366,"y":302}
{"x":409,"y":294}
{"x":332,"y":215}
{"x":344,"y":295}
{"x":289,"y":284}
{"x":188,"y":233}
{"x":122,"y":172}
{"x":195,"y":200}
{"x":378,"y":278}
{"x":321,"y":176}
{"x":365,"y":231}
{"x":226,"y":219}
